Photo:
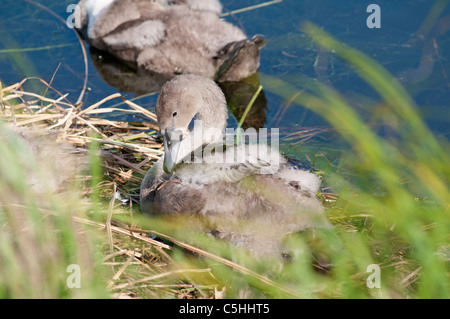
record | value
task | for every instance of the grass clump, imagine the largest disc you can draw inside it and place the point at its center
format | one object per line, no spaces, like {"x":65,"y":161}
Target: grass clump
{"x":392,"y":208}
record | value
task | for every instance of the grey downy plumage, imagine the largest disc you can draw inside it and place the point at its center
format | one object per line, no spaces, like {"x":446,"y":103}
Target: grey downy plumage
{"x":185,"y":37}
{"x":254,"y":202}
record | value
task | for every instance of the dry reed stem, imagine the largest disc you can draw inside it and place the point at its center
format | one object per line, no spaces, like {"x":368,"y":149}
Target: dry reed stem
{"x":161,"y":275}
{"x":75,"y":124}
{"x":256,"y":6}
{"x":227,"y":262}
{"x":124,"y":231}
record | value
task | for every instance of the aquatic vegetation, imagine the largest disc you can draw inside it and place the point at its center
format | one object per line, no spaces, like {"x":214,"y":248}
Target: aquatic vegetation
{"x":393,"y":190}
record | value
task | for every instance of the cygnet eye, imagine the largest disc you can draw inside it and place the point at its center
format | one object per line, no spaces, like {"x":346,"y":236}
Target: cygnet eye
{"x":174,"y":114}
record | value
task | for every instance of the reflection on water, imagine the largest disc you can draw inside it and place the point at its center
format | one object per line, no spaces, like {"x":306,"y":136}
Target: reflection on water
{"x":128,"y":78}
{"x":413,"y":44}
{"x":239,"y":94}
{"x":426,"y":38}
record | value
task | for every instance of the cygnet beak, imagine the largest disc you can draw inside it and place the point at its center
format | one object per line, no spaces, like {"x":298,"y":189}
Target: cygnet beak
{"x":172,"y":141}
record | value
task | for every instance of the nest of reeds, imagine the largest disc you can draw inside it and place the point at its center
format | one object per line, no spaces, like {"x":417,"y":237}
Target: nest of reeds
{"x":140,"y":260}
{"x":140,"y":266}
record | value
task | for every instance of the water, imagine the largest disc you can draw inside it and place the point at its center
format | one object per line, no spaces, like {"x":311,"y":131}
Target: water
{"x":35,"y":43}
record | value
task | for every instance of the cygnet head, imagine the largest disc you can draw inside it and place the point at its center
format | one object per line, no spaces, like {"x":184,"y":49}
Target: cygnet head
{"x":181,"y":101}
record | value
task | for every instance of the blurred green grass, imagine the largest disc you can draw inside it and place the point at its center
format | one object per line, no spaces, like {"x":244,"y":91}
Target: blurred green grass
{"x":39,"y":238}
{"x":393,"y":205}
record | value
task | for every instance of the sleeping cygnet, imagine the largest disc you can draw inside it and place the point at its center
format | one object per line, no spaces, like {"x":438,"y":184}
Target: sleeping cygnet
{"x":251,"y":201}
{"x":185,"y":37}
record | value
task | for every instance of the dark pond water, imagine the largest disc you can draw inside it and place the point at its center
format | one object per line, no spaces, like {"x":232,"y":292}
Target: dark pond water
{"x":412,"y":43}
